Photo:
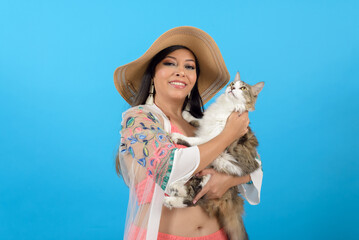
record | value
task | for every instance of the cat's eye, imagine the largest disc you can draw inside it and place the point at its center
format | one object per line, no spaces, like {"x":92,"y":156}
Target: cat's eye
{"x":243,"y":88}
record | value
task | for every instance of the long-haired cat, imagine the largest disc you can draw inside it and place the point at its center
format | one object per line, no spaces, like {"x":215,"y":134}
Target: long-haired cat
{"x":237,"y":160}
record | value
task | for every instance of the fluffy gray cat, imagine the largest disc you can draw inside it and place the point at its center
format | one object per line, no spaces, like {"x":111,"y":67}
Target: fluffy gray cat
{"x":238,"y":159}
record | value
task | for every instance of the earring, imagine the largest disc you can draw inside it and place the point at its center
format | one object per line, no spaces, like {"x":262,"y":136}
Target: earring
{"x":149,"y":100}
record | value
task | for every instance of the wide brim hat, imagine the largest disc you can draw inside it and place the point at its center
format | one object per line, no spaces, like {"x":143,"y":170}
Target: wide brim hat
{"x":213,"y":76}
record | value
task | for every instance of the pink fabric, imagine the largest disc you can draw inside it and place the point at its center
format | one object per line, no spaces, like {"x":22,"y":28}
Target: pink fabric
{"x":140,"y":187}
{"x":140,"y":234}
{"x":219,"y":235}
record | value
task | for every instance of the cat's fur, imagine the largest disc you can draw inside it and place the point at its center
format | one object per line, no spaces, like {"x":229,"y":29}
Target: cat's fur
{"x":237,"y":160}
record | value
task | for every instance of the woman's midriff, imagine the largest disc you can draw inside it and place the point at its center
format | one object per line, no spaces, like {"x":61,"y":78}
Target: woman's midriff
{"x":187,"y":222}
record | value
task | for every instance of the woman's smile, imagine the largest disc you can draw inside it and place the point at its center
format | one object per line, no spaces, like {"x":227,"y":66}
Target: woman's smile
{"x":178,"y":84}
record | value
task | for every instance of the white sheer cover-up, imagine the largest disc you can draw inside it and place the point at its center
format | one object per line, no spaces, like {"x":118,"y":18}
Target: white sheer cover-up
{"x":150,"y":162}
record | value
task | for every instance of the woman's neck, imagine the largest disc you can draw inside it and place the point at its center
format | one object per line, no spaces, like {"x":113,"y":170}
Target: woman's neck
{"x":173,"y":110}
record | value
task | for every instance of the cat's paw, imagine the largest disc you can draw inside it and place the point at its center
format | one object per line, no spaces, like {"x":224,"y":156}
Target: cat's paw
{"x":176,"y":136}
{"x":179,"y":139}
{"x":205,"y":180}
{"x":178,"y":189}
{"x":174,"y":202}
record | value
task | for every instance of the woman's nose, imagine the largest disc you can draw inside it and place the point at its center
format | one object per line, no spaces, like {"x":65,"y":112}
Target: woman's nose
{"x":180,"y":74}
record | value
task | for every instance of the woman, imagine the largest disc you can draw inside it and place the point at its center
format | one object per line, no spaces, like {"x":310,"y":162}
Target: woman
{"x":182,"y":67}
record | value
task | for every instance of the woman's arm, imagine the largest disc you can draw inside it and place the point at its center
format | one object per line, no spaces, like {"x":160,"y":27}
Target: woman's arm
{"x":147,"y":147}
{"x":249,"y":185}
{"x":218,"y":184}
{"x":236,"y":127}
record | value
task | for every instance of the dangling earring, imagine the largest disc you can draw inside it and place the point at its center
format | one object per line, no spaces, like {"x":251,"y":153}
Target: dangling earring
{"x":149,"y":100}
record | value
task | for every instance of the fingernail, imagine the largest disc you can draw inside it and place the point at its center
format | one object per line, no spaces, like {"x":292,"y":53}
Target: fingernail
{"x":194,"y":201}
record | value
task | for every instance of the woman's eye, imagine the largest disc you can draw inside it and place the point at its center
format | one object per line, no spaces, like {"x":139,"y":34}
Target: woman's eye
{"x":190,"y":67}
{"x":168,"y":64}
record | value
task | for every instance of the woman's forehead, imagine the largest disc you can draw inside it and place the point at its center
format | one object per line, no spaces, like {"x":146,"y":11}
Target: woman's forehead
{"x":181,"y":53}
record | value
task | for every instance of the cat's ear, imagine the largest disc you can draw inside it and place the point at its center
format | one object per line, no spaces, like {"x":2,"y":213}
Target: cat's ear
{"x":237,"y":78}
{"x":257,"y":88}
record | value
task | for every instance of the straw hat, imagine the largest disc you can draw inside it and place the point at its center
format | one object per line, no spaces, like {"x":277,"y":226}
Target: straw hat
{"x":214,"y":74}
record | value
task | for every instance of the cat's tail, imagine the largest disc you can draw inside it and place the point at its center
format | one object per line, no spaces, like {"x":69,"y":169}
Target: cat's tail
{"x":242,"y":228}
{"x":230,"y":215}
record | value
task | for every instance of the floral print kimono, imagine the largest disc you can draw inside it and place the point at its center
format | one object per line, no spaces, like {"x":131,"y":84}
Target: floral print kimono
{"x":150,"y":161}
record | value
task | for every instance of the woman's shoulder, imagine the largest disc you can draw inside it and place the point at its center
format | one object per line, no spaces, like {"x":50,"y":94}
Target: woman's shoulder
{"x":140,"y":109}
{"x":148,"y":111}
{"x":135,"y":109}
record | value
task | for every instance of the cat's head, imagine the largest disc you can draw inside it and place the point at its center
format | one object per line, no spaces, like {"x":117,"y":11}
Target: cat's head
{"x":242,"y":93}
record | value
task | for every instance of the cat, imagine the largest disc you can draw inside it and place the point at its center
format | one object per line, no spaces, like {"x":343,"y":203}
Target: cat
{"x":238,"y":159}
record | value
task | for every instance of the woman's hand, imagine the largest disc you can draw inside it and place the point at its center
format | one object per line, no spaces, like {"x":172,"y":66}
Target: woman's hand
{"x":218,"y":184}
{"x":237,"y":125}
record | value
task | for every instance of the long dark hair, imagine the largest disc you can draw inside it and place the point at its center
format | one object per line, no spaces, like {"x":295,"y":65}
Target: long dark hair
{"x":195,"y":100}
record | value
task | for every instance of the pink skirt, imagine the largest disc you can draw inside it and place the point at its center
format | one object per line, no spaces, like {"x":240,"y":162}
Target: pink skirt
{"x":138,"y":233}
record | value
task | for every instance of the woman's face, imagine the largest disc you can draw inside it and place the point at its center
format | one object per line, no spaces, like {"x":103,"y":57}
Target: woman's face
{"x":175,"y":76}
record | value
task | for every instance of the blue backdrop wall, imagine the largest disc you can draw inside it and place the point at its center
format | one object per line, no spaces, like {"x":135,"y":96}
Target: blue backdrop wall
{"x":60,"y":113}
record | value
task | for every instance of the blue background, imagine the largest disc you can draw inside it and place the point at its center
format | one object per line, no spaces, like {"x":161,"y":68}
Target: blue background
{"x":60,"y":113}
